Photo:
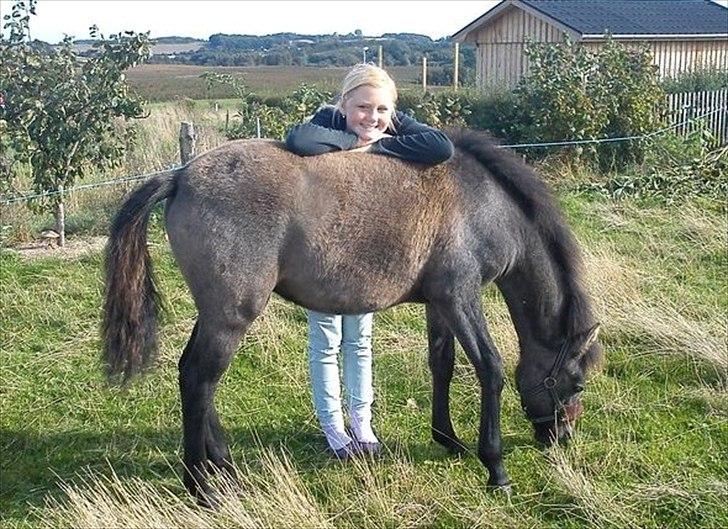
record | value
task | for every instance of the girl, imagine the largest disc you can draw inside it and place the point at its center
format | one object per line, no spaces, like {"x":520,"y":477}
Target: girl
{"x":364,"y":119}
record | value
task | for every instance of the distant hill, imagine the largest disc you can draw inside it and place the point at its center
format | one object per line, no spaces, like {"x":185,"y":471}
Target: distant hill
{"x":295,"y":49}
{"x":160,"y":46}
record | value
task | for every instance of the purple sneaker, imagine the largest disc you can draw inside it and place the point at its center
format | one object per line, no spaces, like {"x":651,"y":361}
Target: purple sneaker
{"x":370,"y":449}
{"x":346,"y":452}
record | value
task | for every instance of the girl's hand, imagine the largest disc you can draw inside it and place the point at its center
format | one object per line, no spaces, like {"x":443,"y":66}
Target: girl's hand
{"x":364,"y":148}
{"x":367,"y":142}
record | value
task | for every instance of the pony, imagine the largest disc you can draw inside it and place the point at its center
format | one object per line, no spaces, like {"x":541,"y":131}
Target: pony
{"x":347,"y":233}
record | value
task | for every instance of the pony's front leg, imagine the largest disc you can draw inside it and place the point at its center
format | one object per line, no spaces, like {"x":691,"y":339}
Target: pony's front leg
{"x":465,"y":317}
{"x":441,"y":349}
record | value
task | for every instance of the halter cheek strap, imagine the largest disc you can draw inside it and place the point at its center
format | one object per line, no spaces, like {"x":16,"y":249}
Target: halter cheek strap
{"x":548,"y":385}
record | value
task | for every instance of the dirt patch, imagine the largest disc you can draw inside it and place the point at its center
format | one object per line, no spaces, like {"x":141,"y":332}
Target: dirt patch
{"x":73,"y":249}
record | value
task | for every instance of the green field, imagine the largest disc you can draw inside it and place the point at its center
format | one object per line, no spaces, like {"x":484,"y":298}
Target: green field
{"x":166,"y":82}
{"x":650,"y":451}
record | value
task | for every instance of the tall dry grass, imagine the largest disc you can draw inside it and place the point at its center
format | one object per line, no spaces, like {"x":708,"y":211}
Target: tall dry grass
{"x":269,"y":495}
{"x":156,"y":148}
{"x":618,"y":284}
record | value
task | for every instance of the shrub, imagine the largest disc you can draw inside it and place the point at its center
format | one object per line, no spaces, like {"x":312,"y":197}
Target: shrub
{"x":676,"y":168}
{"x":440,"y":109}
{"x":573,"y":93}
{"x":701,"y":80}
{"x":274,"y":115}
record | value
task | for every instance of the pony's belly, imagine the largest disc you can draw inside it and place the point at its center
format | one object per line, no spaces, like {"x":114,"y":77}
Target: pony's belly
{"x":342,"y":297}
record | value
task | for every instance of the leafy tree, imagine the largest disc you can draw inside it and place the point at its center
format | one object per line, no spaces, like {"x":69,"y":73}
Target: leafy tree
{"x":60,"y":114}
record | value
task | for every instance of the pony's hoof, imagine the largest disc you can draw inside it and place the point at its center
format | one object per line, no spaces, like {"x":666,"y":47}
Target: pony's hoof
{"x":506,"y":489}
{"x":208,"y":500}
{"x":503,"y":490}
{"x":451,"y":444}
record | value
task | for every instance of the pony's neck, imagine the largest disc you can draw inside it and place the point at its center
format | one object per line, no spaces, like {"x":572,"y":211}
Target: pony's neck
{"x":536,"y":295}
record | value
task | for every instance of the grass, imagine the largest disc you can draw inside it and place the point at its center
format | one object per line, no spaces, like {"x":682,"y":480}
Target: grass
{"x":648,"y":454}
{"x":167,"y":82}
{"x":650,"y":451}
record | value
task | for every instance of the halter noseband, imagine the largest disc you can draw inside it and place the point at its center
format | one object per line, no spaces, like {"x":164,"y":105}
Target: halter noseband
{"x":549,"y":385}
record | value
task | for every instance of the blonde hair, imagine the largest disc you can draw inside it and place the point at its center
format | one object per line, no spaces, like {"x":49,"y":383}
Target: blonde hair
{"x":366,"y":74}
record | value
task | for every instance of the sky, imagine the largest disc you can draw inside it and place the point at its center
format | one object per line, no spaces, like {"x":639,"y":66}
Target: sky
{"x":200,"y":19}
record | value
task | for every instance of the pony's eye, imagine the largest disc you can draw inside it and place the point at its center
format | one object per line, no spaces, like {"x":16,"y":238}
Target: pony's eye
{"x":579,"y":387}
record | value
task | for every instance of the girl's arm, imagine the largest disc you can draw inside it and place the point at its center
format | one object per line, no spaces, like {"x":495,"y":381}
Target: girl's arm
{"x":320,"y":135}
{"x":416,"y":142}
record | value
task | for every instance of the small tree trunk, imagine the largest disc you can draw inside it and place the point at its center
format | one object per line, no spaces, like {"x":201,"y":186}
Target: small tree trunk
{"x":61,"y":221}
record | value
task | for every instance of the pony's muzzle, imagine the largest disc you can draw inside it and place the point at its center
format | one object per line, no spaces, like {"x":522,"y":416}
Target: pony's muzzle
{"x":549,"y":434}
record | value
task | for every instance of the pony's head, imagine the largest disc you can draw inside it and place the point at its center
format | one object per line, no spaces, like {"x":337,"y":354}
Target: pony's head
{"x":550,"y":388}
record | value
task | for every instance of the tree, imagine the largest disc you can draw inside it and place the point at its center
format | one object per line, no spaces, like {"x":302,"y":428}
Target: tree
{"x":59,"y":113}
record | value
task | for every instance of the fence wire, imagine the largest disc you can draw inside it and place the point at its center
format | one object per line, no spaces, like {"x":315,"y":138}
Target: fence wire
{"x":5,"y":201}
{"x":117,"y":181}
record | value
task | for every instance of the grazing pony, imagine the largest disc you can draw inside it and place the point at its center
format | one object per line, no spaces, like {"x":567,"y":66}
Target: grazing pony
{"x":346,"y":233}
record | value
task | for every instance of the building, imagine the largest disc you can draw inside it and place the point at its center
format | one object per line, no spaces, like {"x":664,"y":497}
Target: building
{"x":683,"y":35}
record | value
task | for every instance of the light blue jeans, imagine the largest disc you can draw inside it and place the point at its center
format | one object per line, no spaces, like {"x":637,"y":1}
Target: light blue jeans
{"x":352,"y":334}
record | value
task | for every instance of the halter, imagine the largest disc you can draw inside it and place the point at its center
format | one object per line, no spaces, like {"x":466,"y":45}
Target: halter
{"x":549,"y":384}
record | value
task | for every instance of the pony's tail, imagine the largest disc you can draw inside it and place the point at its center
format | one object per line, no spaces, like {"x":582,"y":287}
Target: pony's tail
{"x":131,"y":304}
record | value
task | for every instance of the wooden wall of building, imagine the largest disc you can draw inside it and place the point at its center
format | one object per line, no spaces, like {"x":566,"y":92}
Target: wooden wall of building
{"x":674,"y":57}
{"x":501,"y":60}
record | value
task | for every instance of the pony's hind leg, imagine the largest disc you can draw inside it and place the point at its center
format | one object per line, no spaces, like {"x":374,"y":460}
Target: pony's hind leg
{"x":206,"y":357}
{"x":441,"y":346}
{"x":218,"y":452}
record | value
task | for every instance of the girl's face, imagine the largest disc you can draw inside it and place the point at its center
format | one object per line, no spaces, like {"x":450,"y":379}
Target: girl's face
{"x":368,"y":112}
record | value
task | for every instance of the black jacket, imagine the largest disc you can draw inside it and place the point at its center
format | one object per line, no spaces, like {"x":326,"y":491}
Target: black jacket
{"x":411,"y":140}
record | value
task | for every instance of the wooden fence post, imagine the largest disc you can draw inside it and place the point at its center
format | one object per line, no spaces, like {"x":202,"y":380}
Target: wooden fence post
{"x":187,"y":141}
{"x":455,"y":69}
{"x":379,"y":56}
{"x":424,"y":74}
{"x":61,"y":219}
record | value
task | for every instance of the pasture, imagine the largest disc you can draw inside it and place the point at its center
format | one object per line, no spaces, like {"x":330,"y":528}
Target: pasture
{"x":165,"y":82}
{"x":649,"y":452}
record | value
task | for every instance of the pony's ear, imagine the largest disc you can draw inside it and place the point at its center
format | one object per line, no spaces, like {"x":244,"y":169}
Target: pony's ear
{"x":583,"y":341}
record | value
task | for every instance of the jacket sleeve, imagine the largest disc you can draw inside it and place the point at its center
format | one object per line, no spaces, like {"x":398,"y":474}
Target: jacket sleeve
{"x":415,"y":142}
{"x":318,"y":136}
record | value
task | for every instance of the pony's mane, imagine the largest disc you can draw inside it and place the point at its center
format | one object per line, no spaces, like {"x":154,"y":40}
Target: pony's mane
{"x":534,"y":197}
